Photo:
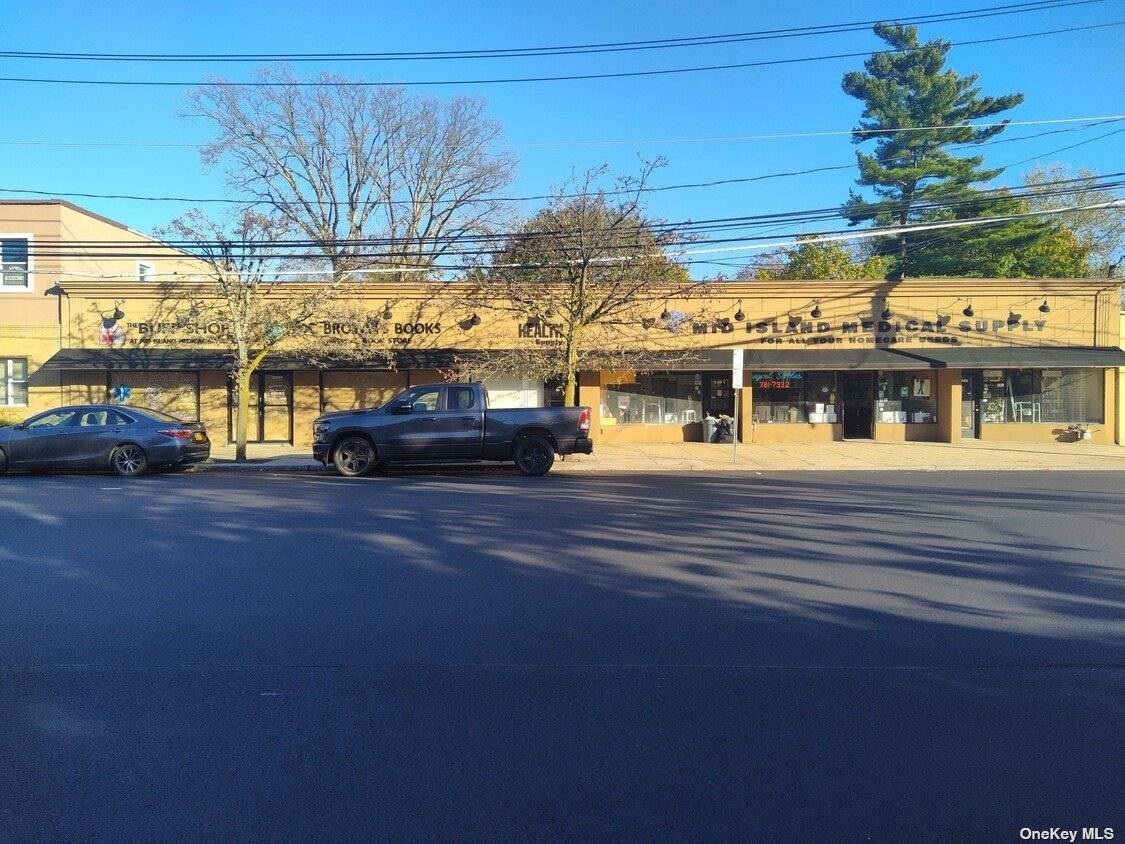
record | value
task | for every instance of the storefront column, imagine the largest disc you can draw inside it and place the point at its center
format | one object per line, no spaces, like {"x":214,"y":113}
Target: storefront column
{"x":745,"y":411}
{"x":1119,"y":392}
{"x":1110,"y":402}
{"x":590,"y":395}
{"x":948,"y":394}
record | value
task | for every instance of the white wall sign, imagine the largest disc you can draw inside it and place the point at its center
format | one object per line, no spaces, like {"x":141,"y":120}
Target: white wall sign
{"x":736,"y":369}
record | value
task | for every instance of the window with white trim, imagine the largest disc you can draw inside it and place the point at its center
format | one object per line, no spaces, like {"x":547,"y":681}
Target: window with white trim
{"x":144,"y":271}
{"x":14,"y":263}
{"x":13,"y":382}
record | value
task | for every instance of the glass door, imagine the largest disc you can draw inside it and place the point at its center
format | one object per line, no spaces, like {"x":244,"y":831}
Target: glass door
{"x":271,"y":408}
{"x":971,"y":384}
{"x":857,"y":404}
{"x":718,"y":395}
{"x":275,"y":407}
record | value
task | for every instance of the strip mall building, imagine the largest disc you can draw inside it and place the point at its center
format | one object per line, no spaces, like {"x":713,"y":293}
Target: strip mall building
{"x":921,"y":359}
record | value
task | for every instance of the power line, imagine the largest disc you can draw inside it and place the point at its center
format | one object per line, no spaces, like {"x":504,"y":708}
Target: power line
{"x":654,"y":189}
{"x":794,"y":240}
{"x":557,"y":50}
{"x":1093,"y":120}
{"x":501,"y":242}
{"x":158,"y":83}
{"x":1064,"y":149}
{"x":822,"y":133}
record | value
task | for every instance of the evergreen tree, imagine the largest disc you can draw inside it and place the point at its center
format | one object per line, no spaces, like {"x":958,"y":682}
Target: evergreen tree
{"x":913,"y":175}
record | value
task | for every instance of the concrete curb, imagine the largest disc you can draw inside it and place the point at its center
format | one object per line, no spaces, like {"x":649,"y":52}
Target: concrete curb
{"x":261,"y":466}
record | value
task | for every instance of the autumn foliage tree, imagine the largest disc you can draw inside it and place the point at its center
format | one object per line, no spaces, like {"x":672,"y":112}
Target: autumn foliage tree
{"x":255,"y":304}
{"x":592,"y":266}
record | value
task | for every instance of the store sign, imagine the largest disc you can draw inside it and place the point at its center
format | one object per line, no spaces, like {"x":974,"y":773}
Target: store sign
{"x":882,"y":332}
{"x":777,"y":380}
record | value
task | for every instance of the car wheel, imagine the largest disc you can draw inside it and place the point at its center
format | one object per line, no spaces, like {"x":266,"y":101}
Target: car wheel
{"x":534,"y":456}
{"x":128,"y":460}
{"x":354,"y":457}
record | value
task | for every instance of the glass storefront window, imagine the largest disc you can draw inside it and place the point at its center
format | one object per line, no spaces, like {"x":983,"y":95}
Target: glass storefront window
{"x":663,"y":398}
{"x":903,"y":397}
{"x":174,"y":393}
{"x":794,"y":396}
{"x":1042,"y":395}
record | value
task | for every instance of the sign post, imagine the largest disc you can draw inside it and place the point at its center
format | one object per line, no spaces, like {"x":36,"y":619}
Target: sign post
{"x":736,"y":387}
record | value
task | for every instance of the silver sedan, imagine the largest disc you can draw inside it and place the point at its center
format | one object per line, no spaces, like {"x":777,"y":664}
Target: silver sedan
{"x":125,"y":440}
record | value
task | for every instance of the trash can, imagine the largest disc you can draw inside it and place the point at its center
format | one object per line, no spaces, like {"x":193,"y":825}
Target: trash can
{"x":709,"y":423}
{"x":724,"y":430}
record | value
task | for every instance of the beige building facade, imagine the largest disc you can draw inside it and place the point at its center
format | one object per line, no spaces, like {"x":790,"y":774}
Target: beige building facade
{"x":921,"y":359}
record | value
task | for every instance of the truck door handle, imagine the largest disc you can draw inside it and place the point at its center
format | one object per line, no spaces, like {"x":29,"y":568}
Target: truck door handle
{"x":472,"y":419}
{"x":428,"y":419}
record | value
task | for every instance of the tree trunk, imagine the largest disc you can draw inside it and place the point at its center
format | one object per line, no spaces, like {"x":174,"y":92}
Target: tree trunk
{"x":570,"y":390}
{"x":242,"y":413}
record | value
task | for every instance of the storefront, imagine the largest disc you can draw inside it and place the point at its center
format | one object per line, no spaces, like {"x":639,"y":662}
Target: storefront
{"x":933,"y":360}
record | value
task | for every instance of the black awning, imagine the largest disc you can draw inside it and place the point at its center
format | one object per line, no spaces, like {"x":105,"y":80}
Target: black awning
{"x":996,"y":357}
{"x":191,"y":359}
{"x":830,"y":357}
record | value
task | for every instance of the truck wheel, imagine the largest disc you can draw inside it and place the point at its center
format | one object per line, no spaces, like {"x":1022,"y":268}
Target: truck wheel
{"x":354,"y":457}
{"x":534,"y":456}
{"x":128,"y":460}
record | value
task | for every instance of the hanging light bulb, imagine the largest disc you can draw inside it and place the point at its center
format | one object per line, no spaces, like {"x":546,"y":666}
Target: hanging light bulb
{"x":794,"y":320}
{"x":550,"y":312}
{"x":665,"y":314}
{"x":968,"y":309}
{"x":739,"y":316}
{"x":887,"y":312}
{"x":816,"y":312}
{"x":1044,"y":308}
{"x":943,"y":320}
{"x":474,"y":319}
{"x":387,"y":312}
{"x":1014,"y":318}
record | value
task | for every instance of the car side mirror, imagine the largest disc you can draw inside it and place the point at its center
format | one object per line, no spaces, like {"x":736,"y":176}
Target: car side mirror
{"x":402,"y":408}
{"x":19,"y":426}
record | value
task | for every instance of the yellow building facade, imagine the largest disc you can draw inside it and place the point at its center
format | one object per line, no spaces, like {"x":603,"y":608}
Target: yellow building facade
{"x":921,"y":359}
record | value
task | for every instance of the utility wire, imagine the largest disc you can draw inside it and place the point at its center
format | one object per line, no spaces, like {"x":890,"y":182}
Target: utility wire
{"x":347,"y":83}
{"x":502,"y":242}
{"x":1103,"y":118}
{"x":499,"y":244}
{"x":558,"y":50}
{"x":620,"y":192}
{"x":794,"y":240}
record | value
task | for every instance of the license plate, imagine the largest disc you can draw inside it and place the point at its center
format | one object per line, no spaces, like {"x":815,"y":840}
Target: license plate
{"x":198,"y":437}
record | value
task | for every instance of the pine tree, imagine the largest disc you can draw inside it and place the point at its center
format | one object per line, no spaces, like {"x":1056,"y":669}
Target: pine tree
{"x":912,"y":174}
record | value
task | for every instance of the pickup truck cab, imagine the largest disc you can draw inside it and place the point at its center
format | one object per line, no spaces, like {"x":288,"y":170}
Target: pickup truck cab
{"x":449,"y":423}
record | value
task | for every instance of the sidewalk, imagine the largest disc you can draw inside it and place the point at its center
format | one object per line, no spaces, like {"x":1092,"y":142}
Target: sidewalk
{"x":768,"y":457}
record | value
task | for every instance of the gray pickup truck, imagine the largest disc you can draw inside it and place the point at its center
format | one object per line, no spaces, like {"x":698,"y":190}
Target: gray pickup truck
{"x":449,"y":423}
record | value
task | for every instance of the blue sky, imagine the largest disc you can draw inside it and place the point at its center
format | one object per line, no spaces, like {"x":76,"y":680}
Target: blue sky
{"x":1075,"y":74}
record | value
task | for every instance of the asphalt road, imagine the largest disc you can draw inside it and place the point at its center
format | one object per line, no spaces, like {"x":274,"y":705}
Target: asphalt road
{"x":835,"y":656}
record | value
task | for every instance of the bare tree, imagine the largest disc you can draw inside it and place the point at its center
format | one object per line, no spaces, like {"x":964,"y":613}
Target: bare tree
{"x":589,"y":278}
{"x":1099,"y":230}
{"x":252,"y":307}
{"x":370,"y":175}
